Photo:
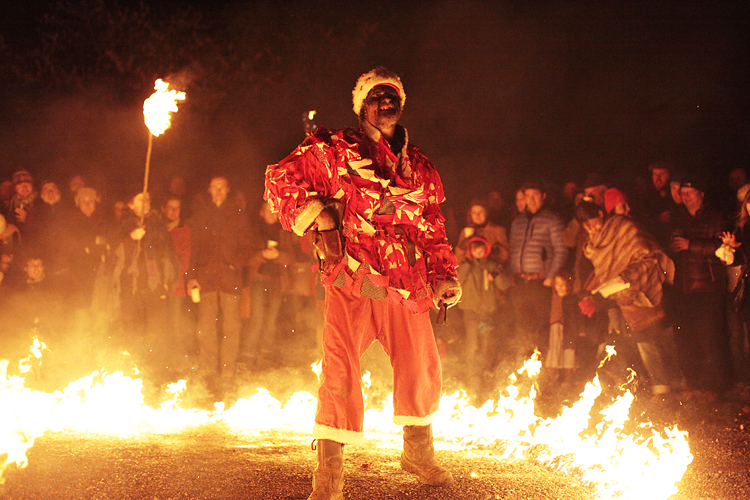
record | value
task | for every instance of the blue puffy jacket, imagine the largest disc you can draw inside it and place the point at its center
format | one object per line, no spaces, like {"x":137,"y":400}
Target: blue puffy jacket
{"x":536,"y":244}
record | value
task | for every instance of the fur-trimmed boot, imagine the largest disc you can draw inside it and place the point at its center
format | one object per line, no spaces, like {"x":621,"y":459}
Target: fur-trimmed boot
{"x":419,"y":456}
{"x":328,"y":478}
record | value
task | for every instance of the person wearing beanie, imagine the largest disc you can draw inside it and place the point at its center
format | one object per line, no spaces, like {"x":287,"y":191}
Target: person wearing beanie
{"x":371,"y":199}
{"x":616,"y":202}
{"x":481,"y":278}
{"x":594,"y":187}
{"x":23,"y":199}
{"x":700,"y":289}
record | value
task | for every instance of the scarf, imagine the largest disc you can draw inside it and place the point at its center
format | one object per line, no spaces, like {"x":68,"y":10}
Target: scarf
{"x":622,"y":248}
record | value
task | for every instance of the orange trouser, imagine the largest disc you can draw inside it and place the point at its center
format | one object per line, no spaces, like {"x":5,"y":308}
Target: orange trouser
{"x":351,"y":325}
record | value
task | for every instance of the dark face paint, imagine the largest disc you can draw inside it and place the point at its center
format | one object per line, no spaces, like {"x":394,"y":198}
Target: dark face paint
{"x":387,"y":99}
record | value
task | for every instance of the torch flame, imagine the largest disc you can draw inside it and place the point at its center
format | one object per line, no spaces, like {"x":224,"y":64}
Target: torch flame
{"x":157,"y":109}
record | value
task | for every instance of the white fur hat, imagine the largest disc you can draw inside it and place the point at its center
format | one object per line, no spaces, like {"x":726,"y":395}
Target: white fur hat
{"x":377,"y":76}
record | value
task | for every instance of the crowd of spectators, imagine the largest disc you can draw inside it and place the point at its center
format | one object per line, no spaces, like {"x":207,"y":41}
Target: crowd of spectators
{"x":198,"y":284}
{"x":186,"y":286}
{"x":657,"y":270}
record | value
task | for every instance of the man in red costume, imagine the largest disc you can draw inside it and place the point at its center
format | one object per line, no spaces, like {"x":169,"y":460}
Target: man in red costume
{"x":371,"y":199}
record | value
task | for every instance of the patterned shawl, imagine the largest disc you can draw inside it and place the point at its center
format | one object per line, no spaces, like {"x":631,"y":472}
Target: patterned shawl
{"x":624,"y":249}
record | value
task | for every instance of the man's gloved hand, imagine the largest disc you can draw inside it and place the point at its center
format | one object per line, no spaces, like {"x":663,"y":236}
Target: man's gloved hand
{"x":448,"y":293}
{"x":329,"y":247}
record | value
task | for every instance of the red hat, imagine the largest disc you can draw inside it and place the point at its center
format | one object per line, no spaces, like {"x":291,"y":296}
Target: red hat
{"x":612,"y":198}
{"x":477,"y":239}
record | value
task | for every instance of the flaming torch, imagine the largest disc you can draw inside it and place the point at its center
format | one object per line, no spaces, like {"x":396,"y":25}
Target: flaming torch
{"x":157,"y":111}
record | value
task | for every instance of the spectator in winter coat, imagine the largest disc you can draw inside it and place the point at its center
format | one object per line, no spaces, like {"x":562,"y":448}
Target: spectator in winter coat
{"x":180,"y":327}
{"x":480,"y":282}
{"x":735,"y":253}
{"x":269,"y":277}
{"x":44,"y":227}
{"x":700,"y":289}
{"x":537,"y":253}
{"x":655,"y":210}
{"x":145,"y":271}
{"x":220,"y":248}
{"x":85,"y":249}
{"x":480,"y":226}
{"x":23,"y":200}
{"x":33,"y":309}
{"x":629,"y":269}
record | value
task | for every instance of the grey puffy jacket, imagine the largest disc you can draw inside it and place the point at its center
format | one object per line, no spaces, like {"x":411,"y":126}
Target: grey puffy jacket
{"x":536,"y":244}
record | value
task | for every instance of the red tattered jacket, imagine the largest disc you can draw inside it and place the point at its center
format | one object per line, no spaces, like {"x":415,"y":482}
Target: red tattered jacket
{"x":394,"y":230}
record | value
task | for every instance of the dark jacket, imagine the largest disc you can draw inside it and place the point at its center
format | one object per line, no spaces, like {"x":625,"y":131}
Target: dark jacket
{"x":150,"y":267}
{"x":85,"y":249}
{"x":480,"y":280}
{"x":536,"y":244}
{"x":220,"y":247}
{"x":697,"y":269}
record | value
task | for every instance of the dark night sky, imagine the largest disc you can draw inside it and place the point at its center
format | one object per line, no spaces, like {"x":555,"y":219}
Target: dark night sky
{"x":497,"y":91}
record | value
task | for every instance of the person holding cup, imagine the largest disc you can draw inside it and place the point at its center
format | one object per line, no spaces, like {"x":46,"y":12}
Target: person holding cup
{"x":220,"y":247}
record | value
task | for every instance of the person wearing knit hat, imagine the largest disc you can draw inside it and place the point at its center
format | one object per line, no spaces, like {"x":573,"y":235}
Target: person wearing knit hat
{"x":87,"y":192}
{"x":23,"y":198}
{"x":594,"y":187}
{"x":371,"y":200}
{"x":21,"y":176}
{"x":86,"y":200}
{"x":700,"y":287}
{"x":616,"y":201}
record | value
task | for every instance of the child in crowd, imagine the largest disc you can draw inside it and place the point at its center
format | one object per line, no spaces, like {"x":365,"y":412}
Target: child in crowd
{"x":480,"y":279}
{"x":565,"y":326}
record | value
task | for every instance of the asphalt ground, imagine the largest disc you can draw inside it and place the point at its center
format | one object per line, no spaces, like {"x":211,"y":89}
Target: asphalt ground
{"x":213,"y":462}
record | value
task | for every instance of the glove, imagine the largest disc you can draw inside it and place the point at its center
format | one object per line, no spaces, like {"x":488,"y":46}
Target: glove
{"x":329,"y":247}
{"x":448,"y":293}
{"x":587,"y":306}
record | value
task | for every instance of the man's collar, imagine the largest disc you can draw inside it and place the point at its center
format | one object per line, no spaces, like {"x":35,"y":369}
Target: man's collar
{"x":400,"y":136}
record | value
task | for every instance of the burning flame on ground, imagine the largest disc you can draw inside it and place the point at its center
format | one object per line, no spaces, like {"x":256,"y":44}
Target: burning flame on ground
{"x":157,"y":109}
{"x":647,"y":463}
